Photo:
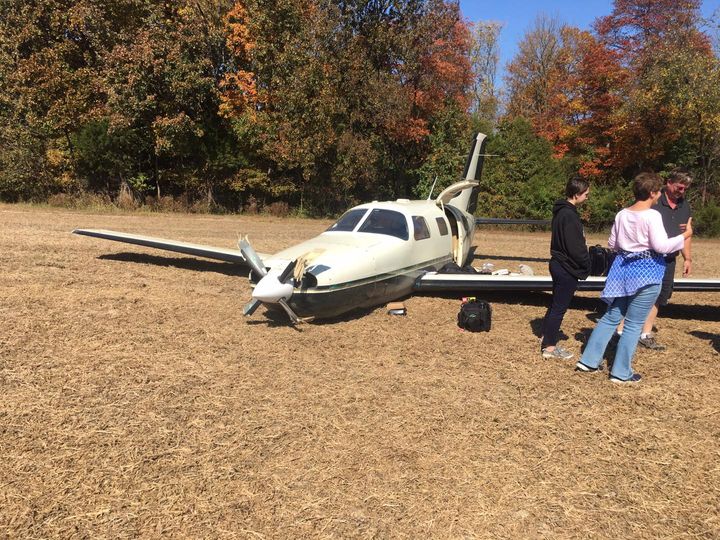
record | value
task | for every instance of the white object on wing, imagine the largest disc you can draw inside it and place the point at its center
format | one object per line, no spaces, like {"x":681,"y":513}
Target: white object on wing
{"x":525,"y":270}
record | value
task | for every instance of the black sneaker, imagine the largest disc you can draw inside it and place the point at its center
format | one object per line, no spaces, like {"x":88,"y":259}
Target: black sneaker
{"x":587,"y":369}
{"x":633,"y":379}
{"x":651,"y":343}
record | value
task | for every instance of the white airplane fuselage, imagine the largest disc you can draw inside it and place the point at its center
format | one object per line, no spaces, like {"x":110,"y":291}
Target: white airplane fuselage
{"x":358,"y":264}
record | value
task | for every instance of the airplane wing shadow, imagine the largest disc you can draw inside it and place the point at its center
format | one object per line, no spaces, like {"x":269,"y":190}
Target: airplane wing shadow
{"x":184,"y":263}
{"x":679,"y":311}
{"x":713,"y":338}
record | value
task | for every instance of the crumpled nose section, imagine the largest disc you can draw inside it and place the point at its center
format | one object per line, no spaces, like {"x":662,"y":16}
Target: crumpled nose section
{"x":270,"y":290}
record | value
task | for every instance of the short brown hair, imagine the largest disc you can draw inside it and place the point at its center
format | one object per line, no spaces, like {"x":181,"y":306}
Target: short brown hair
{"x":575,"y":186}
{"x":679,"y":176}
{"x":645,"y":183}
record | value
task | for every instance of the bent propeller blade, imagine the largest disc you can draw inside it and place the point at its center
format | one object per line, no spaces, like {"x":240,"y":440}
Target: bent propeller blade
{"x":293,"y":317}
{"x":252,"y":258}
{"x":288,"y":272}
{"x":251,"y":307}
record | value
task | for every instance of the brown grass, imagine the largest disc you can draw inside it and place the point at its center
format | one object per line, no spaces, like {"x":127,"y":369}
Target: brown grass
{"x":137,"y":401}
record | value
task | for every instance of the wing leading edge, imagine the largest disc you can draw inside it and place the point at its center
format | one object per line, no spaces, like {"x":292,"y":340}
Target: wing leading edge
{"x":198,"y":250}
{"x":434,"y":282}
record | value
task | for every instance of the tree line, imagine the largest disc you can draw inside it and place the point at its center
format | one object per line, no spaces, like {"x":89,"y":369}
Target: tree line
{"x":320,"y":104}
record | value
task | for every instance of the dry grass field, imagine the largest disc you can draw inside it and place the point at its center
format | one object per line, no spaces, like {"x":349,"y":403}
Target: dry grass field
{"x":136,"y":401}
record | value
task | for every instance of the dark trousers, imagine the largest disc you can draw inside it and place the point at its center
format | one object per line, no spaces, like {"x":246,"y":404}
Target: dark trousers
{"x":564,"y":287}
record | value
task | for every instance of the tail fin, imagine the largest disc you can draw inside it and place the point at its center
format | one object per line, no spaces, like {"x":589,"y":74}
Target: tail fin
{"x":473,"y":168}
{"x":476,"y":158}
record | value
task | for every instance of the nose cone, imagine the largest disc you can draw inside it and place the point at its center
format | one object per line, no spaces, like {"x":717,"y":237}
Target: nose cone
{"x":270,"y":290}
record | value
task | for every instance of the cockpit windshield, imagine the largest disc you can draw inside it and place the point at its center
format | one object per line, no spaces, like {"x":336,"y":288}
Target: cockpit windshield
{"x":348,"y":221}
{"x":386,"y":222}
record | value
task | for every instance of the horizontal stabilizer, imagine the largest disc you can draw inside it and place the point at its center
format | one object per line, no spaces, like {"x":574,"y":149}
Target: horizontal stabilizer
{"x":503,"y":221}
{"x":208,"y":252}
{"x":434,"y":282}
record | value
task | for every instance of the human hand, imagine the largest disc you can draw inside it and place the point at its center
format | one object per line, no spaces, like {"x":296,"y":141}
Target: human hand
{"x":688,"y":232}
{"x":687,"y":267}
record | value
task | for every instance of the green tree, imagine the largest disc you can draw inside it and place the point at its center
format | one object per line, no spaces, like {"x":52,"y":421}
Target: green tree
{"x":162,"y":91}
{"x":484,"y":56}
{"x":522,"y":179}
{"x":343,"y":94}
{"x":448,"y":141}
{"x":685,"y":84}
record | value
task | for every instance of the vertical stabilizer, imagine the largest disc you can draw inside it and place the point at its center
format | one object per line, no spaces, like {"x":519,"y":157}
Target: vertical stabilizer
{"x":475,"y":159}
{"x":467,"y":200}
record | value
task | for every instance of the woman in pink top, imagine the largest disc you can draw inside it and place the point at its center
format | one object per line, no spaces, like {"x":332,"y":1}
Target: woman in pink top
{"x":633,"y":283}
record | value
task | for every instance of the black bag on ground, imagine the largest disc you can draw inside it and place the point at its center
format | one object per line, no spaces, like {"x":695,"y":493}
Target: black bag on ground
{"x":601,"y":259}
{"x":454,"y":268}
{"x":475,"y":316}
{"x":451,"y":268}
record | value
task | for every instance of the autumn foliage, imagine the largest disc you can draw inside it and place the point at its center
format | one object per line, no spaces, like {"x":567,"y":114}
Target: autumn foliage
{"x":626,"y":97}
{"x":319,"y":104}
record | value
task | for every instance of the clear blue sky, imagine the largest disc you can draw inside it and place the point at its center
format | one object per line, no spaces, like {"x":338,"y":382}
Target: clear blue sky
{"x":518,"y":15}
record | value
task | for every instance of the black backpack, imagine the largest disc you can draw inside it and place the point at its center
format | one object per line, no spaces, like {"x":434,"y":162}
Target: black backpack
{"x":601,"y":259}
{"x":475,"y":316}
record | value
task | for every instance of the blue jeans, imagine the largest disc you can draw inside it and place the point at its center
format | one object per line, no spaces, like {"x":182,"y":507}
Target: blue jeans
{"x":635,"y":310}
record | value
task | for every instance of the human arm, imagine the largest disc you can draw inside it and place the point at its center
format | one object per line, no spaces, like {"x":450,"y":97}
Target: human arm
{"x":687,"y":249}
{"x":574,"y":241}
{"x":658,"y":238}
{"x":612,"y":241}
{"x":687,"y":263}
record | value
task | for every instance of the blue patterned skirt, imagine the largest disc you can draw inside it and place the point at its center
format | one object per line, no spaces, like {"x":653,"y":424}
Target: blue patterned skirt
{"x":631,"y":271}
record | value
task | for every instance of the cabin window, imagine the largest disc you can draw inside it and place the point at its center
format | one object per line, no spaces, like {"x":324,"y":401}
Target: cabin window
{"x":385,"y":222}
{"x":442,"y":226}
{"x":420,"y":228}
{"x":349,"y":220}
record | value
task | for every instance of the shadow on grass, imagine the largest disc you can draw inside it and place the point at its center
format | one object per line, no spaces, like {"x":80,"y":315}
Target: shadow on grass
{"x":583,"y":335}
{"x":713,"y":338}
{"x":703,"y":312}
{"x":184,"y":263}
{"x":277,"y":317}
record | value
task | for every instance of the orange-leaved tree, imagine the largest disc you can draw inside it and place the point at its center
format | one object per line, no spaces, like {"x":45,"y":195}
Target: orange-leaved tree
{"x":341,"y":98}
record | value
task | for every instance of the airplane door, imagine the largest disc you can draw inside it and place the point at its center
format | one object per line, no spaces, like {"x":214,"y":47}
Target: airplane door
{"x":465,"y":230}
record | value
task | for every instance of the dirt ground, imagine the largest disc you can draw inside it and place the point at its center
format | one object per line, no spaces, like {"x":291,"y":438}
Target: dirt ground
{"x":137,"y":401}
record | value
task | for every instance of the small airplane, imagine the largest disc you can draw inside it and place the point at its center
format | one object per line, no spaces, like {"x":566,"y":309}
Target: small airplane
{"x":376,"y":253}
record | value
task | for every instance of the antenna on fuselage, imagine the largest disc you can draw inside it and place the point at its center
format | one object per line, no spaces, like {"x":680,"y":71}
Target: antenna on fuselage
{"x":432,"y":188}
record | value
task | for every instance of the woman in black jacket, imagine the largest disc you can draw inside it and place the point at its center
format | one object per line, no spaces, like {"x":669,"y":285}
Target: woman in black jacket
{"x":569,"y":262}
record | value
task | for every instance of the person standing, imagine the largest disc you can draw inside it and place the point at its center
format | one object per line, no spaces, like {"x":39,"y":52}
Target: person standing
{"x":569,"y":262}
{"x":675,"y":212}
{"x":634,"y":281}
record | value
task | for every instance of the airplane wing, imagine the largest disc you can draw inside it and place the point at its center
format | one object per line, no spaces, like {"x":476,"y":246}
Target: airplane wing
{"x":434,"y":282}
{"x":198,"y":250}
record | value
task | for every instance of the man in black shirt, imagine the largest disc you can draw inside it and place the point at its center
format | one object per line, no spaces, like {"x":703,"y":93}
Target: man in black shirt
{"x":675,"y":212}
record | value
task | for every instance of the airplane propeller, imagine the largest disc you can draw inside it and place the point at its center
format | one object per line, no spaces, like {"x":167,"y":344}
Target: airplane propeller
{"x":272,"y":287}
